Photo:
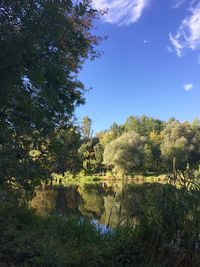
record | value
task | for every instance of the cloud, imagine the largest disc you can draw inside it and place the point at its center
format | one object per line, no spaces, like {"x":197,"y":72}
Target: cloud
{"x":188,"y":86}
{"x":145,"y":42}
{"x":177,"y":3}
{"x":169,"y":49}
{"x":188,"y":34}
{"x":121,"y":12}
{"x":177,"y":45}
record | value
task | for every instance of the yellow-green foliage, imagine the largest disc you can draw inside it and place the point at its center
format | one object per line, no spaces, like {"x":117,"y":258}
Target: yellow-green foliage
{"x":125,"y":154}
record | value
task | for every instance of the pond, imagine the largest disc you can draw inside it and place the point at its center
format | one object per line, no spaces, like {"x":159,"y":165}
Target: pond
{"x":107,"y":203}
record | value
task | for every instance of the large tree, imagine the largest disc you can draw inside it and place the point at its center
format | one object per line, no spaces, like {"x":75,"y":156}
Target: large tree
{"x":180,"y":145}
{"x":126,"y":153}
{"x":43,"y":45}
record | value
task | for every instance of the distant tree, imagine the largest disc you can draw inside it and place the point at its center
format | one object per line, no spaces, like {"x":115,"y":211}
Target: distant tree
{"x":116,"y":129}
{"x":106,"y":137}
{"x":196,"y":128}
{"x":86,"y":127}
{"x":111,"y":134}
{"x":98,"y":151}
{"x":91,"y":154}
{"x":126,"y":153}
{"x":143,"y":125}
{"x":43,"y":45}
{"x":180,"y":144}
{"x":153,"y":160}
{"x":172,"y":119}
{"x":132,"y":124}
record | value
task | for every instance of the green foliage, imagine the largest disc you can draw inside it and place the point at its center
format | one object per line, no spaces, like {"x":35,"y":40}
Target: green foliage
{"x":93,"y":202}
{"x":170,"y":226}
{"x":165,"y":142}
{"x":180,"y":142}
{"x":43,"y":46}
{"x":28,"y":240}
{"x":125,"y":153}
{"x":63,"y":151}
{"x":86,"y":127}
{"x":143,"y":125}
{"x":91,"y":153}
{"x":107,"y":136}
{"x":165,"y":233}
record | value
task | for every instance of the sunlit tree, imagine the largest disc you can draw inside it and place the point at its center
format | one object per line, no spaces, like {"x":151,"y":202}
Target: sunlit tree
{"x":180,"y":145}
{"x":126,"y":153}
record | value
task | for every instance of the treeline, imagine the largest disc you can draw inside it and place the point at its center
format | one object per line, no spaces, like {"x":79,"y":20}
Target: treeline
{"x":40,"y":91}
{"x":141,"y":145}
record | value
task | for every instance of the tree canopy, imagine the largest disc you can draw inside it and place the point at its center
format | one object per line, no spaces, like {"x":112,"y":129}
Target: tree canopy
{"x":125,"y":153}
{"x":43,"y":45}
{"x":180,"y":142}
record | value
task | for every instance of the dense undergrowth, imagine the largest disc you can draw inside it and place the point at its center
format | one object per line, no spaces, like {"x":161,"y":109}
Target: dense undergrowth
{"x":28,"y":240}
{"x":168,"y":234}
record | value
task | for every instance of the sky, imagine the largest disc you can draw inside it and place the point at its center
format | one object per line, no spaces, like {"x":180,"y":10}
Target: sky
{"x":150,"y":63}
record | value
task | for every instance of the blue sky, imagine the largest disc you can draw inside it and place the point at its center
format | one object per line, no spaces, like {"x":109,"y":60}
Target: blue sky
{"x":150,"y":65}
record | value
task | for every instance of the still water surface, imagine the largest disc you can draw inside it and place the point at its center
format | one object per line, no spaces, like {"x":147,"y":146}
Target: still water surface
{"x":107,"y":203}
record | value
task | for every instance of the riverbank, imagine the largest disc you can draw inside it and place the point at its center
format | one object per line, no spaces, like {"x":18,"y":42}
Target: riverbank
{"x":68,"y":178}
{"x":30,"y":240}
{"x":166,"y":234}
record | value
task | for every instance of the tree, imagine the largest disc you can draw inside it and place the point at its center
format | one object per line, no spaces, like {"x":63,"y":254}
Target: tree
{"x":126,"y":153}
{"x":143,"y":125}
{"x":180,"y":145}
{"x":86,"y":127}
{"x":107,"y":136}
{"x":43,"y":45}
{"x":91,"y":153}
{"x":63,"y":150}
{"x":152,"y":161}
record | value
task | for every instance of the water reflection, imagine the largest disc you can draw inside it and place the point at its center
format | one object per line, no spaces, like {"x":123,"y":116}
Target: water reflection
{"x":111,"y":204}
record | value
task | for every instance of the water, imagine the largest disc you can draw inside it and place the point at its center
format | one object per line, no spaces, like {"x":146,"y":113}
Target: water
{"x":105,"y":203}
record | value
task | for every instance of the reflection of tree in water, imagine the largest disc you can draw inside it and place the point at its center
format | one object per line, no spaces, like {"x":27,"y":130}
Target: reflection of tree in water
{"x":101,"y":201}
{"x":127,"y":203}
{"x":68,"y":201}
{"x":117,"y":204}
{"x":56,"y":200}
{"x":44,"y":201}
{"x":110,"y":215}
{"x":112,"y":204}
{"x":92,"y":204}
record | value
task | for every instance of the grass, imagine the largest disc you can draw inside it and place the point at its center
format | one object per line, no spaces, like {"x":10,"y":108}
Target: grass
{"x":69,"y":179}
{"x":29,"y":240}
{"x":53,"y":241}
{"x":81,"y":178}
{"x":167,"y":235}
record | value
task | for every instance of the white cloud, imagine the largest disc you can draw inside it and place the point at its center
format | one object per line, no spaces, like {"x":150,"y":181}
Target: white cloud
{"x":188,"y":34}
{"x":188,"y":86}
{"x":177,"y":3}
{"x":177,"y":45}
{"x":169,"y":49}
{"x":121,"y":12}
